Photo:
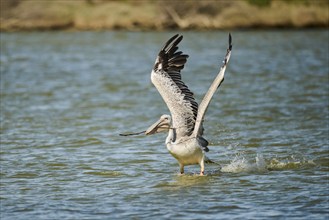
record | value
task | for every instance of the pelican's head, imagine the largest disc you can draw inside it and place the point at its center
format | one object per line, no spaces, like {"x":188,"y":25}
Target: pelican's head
{"x":163,"y":124}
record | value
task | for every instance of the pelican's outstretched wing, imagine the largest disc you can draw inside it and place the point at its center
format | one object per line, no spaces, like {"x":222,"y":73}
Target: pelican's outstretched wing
{"x":167,"y":79}
{"x":215,"y":84}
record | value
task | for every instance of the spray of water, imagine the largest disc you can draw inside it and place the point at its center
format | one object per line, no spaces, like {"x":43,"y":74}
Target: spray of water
{"x":260,"y":165}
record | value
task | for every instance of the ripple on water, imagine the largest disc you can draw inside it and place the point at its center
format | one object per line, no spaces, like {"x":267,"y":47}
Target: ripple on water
{"x":25,"y":175}
{"x":105,"y":173}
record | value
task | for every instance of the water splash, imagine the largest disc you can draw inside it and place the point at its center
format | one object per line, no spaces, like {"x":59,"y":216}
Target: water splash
{"x":260,"y":165}
{"x":240,"y":164}
{"x":289,"y":163}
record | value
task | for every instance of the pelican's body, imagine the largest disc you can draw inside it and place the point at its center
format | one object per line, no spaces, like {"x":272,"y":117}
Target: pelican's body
{"x":184,"y":126}
{"x":187,"y":151}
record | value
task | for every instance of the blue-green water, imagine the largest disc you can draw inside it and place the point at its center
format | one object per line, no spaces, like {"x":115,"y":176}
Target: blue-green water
{"x":65,"y":97}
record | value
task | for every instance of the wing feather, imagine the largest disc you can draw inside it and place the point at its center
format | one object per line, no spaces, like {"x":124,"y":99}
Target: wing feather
{"x":166,"y":77}
{"x":198,"y":129}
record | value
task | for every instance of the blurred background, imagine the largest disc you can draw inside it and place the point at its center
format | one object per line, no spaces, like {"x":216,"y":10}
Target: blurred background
{"x":161,"y":15}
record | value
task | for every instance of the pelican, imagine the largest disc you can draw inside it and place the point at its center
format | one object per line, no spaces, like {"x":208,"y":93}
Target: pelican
{"x":184,"y":125}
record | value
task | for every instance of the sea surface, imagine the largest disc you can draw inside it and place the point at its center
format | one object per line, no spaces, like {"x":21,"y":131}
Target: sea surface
{"x":66,"y":97}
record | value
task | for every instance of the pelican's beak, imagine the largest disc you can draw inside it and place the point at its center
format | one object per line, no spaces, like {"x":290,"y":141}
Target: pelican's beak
{"x":159,"y":126}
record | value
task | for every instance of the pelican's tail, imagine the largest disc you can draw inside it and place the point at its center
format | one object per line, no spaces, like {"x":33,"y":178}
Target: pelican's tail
{"x":207,"y":160}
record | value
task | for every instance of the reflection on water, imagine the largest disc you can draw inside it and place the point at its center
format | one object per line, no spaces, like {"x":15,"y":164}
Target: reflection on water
{"x":65,"y":97}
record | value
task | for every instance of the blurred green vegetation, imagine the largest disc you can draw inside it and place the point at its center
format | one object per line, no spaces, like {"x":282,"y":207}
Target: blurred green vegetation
{"x":260,"y":3}
{"x":19,"y":15}
{"x":264,"y":3}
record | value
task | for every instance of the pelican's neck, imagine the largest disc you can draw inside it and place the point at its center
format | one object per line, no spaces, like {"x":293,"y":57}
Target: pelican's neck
{"x":171,"y":136}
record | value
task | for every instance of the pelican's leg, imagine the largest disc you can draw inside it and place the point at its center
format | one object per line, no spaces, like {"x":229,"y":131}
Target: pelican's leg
{"x":202,"y":167}
{"x":181,"y":168}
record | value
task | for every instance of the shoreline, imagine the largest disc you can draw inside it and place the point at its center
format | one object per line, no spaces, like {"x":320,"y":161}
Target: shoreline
{"x":73,"y":30}
{"x":133,"y":15}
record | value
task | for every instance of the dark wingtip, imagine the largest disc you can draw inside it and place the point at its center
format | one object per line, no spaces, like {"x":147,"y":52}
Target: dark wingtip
{"x":228,"y":51}
{"x":230,"y":41}
{"x":176,"y":38}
